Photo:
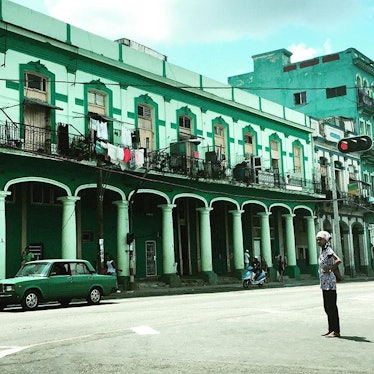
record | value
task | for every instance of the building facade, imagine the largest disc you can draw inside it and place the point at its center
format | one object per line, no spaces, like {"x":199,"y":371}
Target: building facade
{"x":338,"y":91}
{"x":108,"y":149}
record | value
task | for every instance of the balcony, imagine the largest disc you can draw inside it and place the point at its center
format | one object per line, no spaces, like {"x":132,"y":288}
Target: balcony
{"x":61,"y":144}
{"x":352,"y":200}
{"x":44,"y":141}
{"x":365,"y":99}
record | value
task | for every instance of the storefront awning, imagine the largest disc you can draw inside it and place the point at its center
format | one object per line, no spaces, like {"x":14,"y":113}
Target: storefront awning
{"x":31,"y":101}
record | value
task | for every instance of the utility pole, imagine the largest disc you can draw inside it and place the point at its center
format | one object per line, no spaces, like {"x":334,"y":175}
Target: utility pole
{"x":337,"y":245}
{"x":100,"y":220}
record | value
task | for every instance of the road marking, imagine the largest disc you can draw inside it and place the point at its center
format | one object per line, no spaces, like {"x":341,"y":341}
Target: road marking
{"x":145,"y":330}
{"x":272,"y":311}
{"x":6,"y":351}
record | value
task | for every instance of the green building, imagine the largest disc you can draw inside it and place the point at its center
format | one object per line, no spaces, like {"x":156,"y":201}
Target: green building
{"x":106,"y":148}
{"x":337,"y":90}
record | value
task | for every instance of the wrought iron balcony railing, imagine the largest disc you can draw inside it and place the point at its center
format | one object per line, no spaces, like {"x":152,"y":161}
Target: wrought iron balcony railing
{"x":45,"y":141}
{"x":60,"y":143}
{"x":365,"y":97}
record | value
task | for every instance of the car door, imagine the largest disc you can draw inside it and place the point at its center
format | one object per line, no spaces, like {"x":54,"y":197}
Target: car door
{"x":82,"y":278}
{"x":60,"y":281}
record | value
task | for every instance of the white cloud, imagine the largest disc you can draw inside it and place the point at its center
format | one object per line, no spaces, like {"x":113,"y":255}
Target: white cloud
{"x":138,"y":20}
{"x":198,"y":21}
{"x":302,"y":52}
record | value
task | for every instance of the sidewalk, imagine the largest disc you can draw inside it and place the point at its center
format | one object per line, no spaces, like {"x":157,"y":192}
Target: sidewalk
{"x":145,"y":288}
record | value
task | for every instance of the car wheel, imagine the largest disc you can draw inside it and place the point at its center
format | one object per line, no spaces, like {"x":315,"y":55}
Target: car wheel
{"x":94,"y":296}
{"x":30,"y":300}
{"x":65,"y":302}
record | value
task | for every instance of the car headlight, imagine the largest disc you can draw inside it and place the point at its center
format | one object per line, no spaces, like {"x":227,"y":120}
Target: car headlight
{"x":8,"y":287}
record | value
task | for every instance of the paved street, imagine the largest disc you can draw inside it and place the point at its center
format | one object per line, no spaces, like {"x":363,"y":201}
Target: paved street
{"x":260,"y":330}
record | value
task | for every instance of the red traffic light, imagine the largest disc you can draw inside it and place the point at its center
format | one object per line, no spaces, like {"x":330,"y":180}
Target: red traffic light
{"x":355,"y":144}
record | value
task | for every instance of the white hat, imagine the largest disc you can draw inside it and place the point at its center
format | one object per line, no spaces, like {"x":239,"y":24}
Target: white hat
{"x":324,"y":235}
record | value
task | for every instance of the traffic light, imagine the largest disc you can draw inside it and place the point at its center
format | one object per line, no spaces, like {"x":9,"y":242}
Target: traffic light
{"x":355,"y":144}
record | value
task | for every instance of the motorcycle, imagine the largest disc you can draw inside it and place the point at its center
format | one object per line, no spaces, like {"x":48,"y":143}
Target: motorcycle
{"x":249,"y":278}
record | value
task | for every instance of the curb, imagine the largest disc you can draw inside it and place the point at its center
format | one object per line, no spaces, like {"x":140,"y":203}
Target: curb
{"x":198,"y":289}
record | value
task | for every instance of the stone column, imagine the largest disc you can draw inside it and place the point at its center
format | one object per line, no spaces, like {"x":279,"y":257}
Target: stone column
{"x":367,"y":268}
{"x":237,"y":233}
{"x":349,"y":263}
{"x":312,"y":246}
{"x":3,"y":195}
{"x":206,"y":246}
{"x":122,"y":246}
{"x":168,"y":256}
{"x":292,"y":269}
{"x":266,"y":243}
{"x":69,"y":228}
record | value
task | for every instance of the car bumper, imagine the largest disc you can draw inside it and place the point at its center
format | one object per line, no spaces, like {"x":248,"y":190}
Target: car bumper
{"x":8,"y":298}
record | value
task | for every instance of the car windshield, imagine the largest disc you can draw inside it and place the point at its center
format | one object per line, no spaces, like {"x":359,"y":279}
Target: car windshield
{"x":39,"y":269}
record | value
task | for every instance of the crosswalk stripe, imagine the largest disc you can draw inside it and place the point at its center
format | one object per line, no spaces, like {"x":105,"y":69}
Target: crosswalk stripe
{"x":145,"y":330}
{"x":6,"y":351}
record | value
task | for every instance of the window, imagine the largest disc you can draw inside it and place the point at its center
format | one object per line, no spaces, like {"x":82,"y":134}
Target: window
{"x":336,"y":91}
{"x":362,"y":126}
{"x":35,"y":82}
{"x":87,"y":236}
{"x":97,"y":102}
{"x":248,"y":144}
{"x":299,"y":98}
{"x":275,"y":155}
{"x":351,"y":171}
{"x":368,"y":129}
{"x":35,"y":87}
{"x":144,"y":111}
{"x":184,"y":122}
{"x":297,"y":159}
{"x":79,"y":268}
{"x":338,"y":176}
{"x":218,"y":130}
{"x":145,"y":126}
{"x":220,"y":141}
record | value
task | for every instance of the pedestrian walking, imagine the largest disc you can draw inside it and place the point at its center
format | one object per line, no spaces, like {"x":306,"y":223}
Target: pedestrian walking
{"x":280,"y":268}
{"x":328,"y":263}
{"x":264,"y":266}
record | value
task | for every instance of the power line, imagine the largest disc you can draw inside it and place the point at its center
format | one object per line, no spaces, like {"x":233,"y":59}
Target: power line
{"x":228,"y":87}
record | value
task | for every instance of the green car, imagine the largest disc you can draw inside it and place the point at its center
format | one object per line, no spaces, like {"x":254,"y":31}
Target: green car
{"x":55,"y":280}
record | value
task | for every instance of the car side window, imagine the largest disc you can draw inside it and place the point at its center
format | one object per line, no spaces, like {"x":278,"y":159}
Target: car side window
{"x":80,"y":268}
{"x":60,"y":269}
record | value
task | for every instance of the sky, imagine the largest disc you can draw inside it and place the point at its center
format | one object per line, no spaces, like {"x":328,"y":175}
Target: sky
{"x":217,"y":38}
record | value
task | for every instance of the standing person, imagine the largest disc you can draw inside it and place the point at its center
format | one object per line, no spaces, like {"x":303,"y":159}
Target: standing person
{"x":280,"y":268}
{"x":328,"y":262}
{"x":264,"y":266}
{"x":246,"y":258}
{"x":27,"y":256}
